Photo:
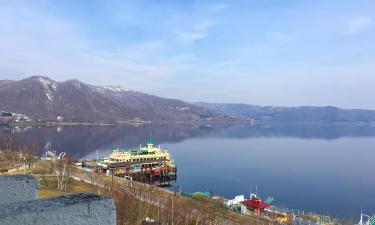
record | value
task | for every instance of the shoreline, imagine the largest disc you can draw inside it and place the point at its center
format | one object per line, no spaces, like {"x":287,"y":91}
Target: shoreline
{"x":79,"y":173}
{"x":208,"y":124}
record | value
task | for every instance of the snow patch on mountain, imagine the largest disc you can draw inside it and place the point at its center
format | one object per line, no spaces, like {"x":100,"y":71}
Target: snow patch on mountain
{"x":48,"y":86}
{"x":116,"y":89}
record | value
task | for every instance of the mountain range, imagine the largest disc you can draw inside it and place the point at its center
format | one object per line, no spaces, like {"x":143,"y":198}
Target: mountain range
{"x":44,"y":99}
{"x":305,"y":114}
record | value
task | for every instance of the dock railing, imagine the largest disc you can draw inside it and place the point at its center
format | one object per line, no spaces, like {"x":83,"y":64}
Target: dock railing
{"x":320,"y":219}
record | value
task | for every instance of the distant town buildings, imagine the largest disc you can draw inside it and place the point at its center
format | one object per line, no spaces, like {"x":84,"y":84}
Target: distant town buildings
{"x":9,"y":117}
{"x":6,"y":114}
{"x":5,"y":117}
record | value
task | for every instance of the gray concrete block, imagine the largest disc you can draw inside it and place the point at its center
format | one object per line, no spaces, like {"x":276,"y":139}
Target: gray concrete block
{"x":18,"y":188}
{"x":82,"y":209}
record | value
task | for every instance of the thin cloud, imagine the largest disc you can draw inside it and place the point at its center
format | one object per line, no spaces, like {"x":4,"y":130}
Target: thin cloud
{"x":220,"y":6}
{"x":35,"y":42}
{"x":117,"y":64}
{"x":358,"y":25}
{"x":280,"y":37}
{"x":205,"y":25}
{"x":199,"y":31}
{"x":189,"y":37}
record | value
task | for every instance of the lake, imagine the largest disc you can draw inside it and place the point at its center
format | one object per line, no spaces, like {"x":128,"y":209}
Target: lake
{"x":323,"y":168}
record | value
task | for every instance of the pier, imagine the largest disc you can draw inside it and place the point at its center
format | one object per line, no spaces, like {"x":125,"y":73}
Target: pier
{"x":149,"y":164}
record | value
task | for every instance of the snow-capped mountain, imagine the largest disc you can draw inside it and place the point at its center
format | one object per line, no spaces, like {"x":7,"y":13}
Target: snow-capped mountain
{"x":46,"y":99}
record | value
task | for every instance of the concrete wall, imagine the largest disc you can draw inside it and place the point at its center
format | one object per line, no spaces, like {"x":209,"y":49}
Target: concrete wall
{"x":18,"y":205}
{"x":18,"y":188}
{"x":82,"y":209}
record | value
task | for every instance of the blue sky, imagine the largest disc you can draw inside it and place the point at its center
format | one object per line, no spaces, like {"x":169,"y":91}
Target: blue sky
{"x":265,"y":52}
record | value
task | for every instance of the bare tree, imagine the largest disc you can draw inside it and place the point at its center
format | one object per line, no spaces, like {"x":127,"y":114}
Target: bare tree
{"x":63,"y":169}
{"x":30,"y":154}
{"x":8,"y":142}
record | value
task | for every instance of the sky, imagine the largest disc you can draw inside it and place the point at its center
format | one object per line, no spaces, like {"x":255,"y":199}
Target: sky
{"x":262,"y":52}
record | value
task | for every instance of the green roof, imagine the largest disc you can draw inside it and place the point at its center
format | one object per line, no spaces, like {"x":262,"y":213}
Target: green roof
{"x":138,"y":150}
{"x":149,"y":142}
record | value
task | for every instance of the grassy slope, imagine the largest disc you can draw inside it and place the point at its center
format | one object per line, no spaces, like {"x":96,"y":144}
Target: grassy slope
{"x":48,"y":188}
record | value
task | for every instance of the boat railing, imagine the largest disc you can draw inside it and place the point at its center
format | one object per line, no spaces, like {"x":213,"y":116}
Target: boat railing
{"x":372,"y":220}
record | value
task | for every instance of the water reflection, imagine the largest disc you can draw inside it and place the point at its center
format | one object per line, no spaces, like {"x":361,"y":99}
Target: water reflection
{"x":82,"y":141}
{"x":326,"y":168}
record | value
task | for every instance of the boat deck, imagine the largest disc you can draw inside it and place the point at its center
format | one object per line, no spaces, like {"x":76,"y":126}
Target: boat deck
{"x":128,"y":164}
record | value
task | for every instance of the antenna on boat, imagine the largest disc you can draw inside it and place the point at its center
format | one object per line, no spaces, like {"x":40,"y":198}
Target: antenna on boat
{"x":97,"y":155}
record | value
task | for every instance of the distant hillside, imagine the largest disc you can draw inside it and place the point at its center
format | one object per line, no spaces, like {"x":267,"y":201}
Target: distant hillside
{"x":45,"y":99}
{"x":292,"y":114}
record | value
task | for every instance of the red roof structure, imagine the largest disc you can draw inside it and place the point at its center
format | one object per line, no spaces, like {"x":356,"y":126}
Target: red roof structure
{"x":255,"y":203}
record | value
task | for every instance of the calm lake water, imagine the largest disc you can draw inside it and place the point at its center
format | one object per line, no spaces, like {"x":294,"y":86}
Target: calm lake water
{"x":327,"y":169}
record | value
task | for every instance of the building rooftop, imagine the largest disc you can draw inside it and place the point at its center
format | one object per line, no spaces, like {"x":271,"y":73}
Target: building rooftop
{"x":255,"y":204}
{"x":50,"y":204}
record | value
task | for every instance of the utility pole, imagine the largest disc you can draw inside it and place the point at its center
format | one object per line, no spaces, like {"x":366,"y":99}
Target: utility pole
{"x":112,"y":171}
{"x":173,"y":198}
{"x":172,"y":209}
{"x":24,"y":166}
{"x":10,"y":143}
{"x":159,"y":207}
